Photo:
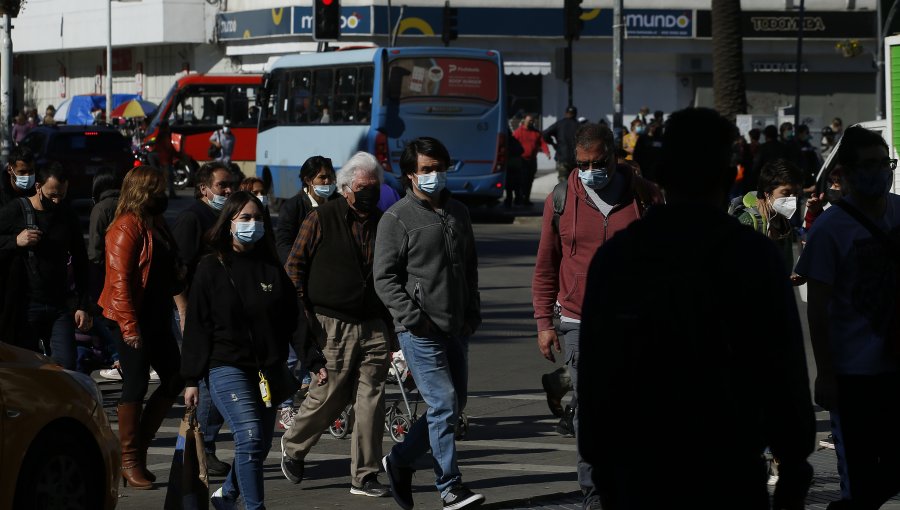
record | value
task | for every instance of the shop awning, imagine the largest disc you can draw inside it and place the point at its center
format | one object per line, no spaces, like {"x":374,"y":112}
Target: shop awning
{"x":520,"y":67}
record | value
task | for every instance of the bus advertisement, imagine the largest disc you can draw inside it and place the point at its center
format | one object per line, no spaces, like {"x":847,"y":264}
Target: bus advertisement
{"x":336,"y":103}
{"x":199,"y":104}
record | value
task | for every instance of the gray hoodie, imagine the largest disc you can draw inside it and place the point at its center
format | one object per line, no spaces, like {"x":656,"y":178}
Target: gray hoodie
{"x":426,"y":266}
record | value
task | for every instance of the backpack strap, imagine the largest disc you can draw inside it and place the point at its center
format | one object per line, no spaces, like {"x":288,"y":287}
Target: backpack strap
{"x":560,"y":192}
{"x":30,"y":222}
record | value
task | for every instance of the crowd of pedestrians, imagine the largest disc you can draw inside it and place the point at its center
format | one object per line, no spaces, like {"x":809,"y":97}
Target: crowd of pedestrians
{"x":665,"y":272}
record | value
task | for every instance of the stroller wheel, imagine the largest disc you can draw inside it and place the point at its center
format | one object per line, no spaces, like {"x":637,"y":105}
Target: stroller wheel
{"x":341,"y":426}
{"x":399,"y":426}
{"x":462,"y":427}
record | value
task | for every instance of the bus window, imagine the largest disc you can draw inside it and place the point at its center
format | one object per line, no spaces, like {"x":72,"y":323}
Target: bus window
{"x":446,"y":78}
{"x":345,"y":99}
{"x":201,"y":106}
{"x":300,"y":98}
{"x":240,"y":100}
{"x":323,"y":93}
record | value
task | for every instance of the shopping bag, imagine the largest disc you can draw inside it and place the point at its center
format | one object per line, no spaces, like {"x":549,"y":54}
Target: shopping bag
{"x":188,"y":482}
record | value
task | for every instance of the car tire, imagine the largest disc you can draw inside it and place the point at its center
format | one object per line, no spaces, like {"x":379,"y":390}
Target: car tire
{"x":60,"y":471}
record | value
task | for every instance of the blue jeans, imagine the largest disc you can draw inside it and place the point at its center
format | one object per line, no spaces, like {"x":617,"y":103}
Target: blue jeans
{"x":572,"y":332}
{"x":236,"y":393}
{"x":440,"y":369}
{"x":209,"y":418}
{"x":55,"y":327}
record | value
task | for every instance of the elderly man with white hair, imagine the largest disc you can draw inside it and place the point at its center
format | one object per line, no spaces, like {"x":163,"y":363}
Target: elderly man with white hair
{"x":331,"y":266}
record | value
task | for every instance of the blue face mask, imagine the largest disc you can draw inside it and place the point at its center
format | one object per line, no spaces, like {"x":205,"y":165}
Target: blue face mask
{"x":432,"y":183}
{"x":639,"y":130}
{"x":871,"y":184}
{"x":217,"y":202}
{"x":25,"y":181}
{"x":596,"y":178}
{"x":248,"y":232}
{"x":324,"y":190}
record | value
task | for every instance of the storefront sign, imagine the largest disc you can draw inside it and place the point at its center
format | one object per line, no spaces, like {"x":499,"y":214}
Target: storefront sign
{"x":354,"y":20}
{"x":777,"y":67}
{"x":251,"y":24}
{"x":785,"y":25}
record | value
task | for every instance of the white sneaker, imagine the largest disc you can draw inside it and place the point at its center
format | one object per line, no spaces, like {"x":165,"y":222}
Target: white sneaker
{"x":111,"y":374}
{"x":286,"y":417}
{"x":220,"y":502}
{"x":153,"y":375}
{"x":773,"y":480}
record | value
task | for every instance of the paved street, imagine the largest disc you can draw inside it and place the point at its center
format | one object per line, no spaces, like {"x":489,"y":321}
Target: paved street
{"x":511,"y":453}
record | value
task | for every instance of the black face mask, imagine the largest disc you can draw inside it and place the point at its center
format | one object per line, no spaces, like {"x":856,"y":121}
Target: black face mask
{"x":157,"y":204}
{"x":48,"y":204}
{"x":833,"y":195}
{"x":366,"y":199}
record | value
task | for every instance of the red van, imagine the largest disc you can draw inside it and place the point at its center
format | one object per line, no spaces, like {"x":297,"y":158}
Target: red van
{"x":198,"y":105}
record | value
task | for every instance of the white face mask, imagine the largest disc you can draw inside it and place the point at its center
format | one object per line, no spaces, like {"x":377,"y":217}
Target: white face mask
{"x":263,"y":199}
{"x":217,"y":202}
{"x":785,"y":206}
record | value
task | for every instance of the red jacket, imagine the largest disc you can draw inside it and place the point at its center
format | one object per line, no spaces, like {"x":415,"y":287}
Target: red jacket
{"x":531,"y":141}
{"x":560,"y":272}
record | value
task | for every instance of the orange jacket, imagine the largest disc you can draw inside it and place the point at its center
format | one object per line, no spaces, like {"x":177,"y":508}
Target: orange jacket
{"x":129,"y":250}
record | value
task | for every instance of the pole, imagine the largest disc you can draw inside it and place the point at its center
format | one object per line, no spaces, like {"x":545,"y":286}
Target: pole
{"x":390,"y":27}
{"x":799,"y":63}
{"x":396,"y":29}
{"x":6,"y":59}
{"x":109,"y":62}
{"x":618,"y":50}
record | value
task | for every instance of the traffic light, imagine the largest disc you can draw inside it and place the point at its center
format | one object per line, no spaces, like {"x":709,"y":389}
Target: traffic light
{"x":449,"y":31}
{"x":327,"y":20}
{"x":573,"y":22}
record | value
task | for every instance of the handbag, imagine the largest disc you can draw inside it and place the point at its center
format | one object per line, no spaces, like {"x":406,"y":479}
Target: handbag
{"x":188,"y":487}
{"x":213,"y":152}
{"x":282,"y":384}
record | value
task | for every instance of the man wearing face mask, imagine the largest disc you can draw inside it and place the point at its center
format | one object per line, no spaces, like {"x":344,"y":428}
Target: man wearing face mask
{"x":223,"y":139}
{"x":600,"y":200}
{"x":331,"y":266}
{"x":40,"y":234}
{"x":852,"y":265}
{"x":215,"y":183}
{"x":426,"y":272}
{"x":532,"y":142}
{"x":19,"y":181}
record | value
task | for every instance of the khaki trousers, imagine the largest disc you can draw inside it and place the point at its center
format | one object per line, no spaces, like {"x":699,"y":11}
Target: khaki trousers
{"x":357,"y":362}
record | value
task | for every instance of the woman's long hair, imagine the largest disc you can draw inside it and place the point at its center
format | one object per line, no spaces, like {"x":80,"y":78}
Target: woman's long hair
{"x":140,"y":184}
{"x":219,"y":236}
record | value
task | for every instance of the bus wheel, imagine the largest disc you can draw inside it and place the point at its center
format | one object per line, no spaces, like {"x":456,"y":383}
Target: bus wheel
{"x":181,"y":174}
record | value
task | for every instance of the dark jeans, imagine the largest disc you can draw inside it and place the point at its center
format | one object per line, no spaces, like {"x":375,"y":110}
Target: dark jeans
{"x":869,"y":407}
{"x":158,"y":350}
{"x":209,"y":418}
{"x":54,"y":327}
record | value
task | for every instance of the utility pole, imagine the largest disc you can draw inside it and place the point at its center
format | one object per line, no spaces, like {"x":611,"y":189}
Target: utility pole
{"x":6,"y":62}
{"x":109,"y":62}
{"x":800,"y":62}
{"x":618,"y":50}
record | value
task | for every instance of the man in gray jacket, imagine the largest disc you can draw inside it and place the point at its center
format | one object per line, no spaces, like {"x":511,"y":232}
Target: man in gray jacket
{"x":426,"y":273}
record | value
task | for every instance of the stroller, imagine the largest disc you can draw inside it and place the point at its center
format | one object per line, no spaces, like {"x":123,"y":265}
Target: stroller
{"x":397,"y":420}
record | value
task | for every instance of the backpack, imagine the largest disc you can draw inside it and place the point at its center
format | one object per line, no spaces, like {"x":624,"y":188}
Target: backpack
{"x":737,"y":207}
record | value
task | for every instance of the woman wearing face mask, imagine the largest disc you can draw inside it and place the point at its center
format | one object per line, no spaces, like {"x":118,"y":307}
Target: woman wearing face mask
{"x":817,"y":203}
{"x":241,"y":315}
{"x":630,"y":140}
{"x":316,"y":187}
{"x":770,"y":208}
{"x":143,"y":272}
{"x":256,"y":187}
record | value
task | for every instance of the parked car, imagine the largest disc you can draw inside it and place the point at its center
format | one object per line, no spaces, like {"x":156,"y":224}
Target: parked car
{"x":57,"y":449}
{"x":82,"y":150}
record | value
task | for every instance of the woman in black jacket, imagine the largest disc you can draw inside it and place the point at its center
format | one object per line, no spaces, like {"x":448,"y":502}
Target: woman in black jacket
{"x":317,"y":186}
{"x":242,"y":314}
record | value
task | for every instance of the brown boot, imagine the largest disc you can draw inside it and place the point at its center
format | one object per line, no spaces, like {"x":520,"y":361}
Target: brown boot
{"x":132,"y":464}
{"x":153,"y":416}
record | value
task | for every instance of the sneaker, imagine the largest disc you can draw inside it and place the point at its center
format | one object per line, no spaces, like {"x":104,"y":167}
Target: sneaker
{"x":566,"y":427}
{"x":371,"y":487}
{"x":286,"y":417}
{"x":153,"y":375}
{"x":214,"y":466}
{"x":292,"y":469}
{"x":221,"y":502}
{"x":111,"y":374}
{"x":400,"y":479}
{"x":459,"y":496}
{"x":828,"y":442}
{"x":773,"y":480}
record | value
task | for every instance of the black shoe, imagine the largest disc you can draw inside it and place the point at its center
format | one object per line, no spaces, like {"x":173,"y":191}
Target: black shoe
{"x":292,"y":469}
{"x":566,"y":427}
{"x":554,"y":402}
{"x":459,"y":496}
{"x":371,"y":487}
{"x":214,"y":466}
{"x":400,"y":479}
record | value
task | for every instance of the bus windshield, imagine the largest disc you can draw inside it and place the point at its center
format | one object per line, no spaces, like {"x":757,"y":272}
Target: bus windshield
{"x":466,"y":79}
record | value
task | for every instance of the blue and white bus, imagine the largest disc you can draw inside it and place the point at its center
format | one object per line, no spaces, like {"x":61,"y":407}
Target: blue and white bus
{"x":336,"y":103}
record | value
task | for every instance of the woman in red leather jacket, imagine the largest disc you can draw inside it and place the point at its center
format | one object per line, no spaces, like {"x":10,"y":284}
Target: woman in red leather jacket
{"x":142,"y":274}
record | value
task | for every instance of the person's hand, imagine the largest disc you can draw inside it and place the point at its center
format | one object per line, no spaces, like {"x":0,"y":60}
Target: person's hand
{"x":815,"y":203}
{"x":133,"y":341}
{"x":322,"y":376}
{"x":83,"y":320}
{"x":547,"y":338}
{"x":191,"y":396}
{"x":28,"y":237}
{"x":181,"y":316}
{"x":797,"y":280}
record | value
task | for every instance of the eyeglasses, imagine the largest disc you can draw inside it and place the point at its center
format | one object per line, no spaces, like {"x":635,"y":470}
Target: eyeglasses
{"x":877,"y":165}
{"x":587,"y":165}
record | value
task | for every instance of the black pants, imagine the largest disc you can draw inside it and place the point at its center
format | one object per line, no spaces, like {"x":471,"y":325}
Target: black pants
{"x":529,"y":170}
{"x":869,"y":408}
{"x":158,"y":350}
